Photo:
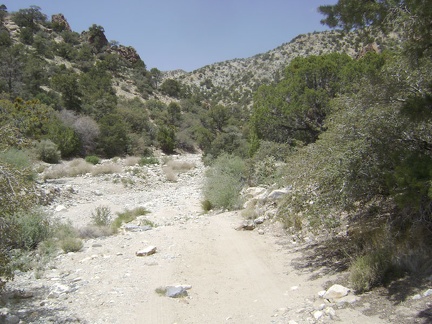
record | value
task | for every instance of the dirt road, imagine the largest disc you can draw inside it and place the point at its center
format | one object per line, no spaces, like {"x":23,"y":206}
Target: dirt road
{"x":235,"y":276}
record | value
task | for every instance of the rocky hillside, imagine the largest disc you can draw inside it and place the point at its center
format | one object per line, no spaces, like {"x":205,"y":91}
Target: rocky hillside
{"x":234,"y":81}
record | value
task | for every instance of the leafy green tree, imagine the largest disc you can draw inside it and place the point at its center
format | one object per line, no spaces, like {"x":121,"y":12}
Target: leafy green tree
{"x":29,"y":17}
{"x":167,"y":139}
{"x":3,"y":12}
{"x":11,"y":69}
{"x":29,"y":118}
{"x":156,"y":77}
{"x":218,"y":117}
{"x":26,"y":35}
{"x":5,"y":39}
{"x":174,"y":114}
{"x":171,"y":88}
{"x":66,"y":82}
{"x":295,"y":109}
{"x":97,"y":38}
{"x":66,"y":138}
{"x":386,"y":15}
{"x":98,"y":95}
{"x":113,"y":139}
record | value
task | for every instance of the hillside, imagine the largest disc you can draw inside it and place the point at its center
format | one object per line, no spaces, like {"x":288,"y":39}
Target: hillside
{"x":234,"y":81}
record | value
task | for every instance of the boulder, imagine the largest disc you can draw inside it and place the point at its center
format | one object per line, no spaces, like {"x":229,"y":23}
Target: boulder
{"x":60,"y":20}
{"x":177,"y":291}
{"x":147,"y":251}
{"x":247,"y":225}
{"x":127,"y":52}
{"x":278,"y":193}
{"x":259,"y":220}
{"x":336,"y":291}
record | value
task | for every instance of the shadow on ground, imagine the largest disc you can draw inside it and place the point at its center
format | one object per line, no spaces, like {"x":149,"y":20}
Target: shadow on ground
{"x":333,"y":257}
{"x":30,"y":306}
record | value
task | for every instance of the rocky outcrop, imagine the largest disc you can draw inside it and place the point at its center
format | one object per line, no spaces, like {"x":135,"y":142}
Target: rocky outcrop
{"x":60,"y":22}
{"x":369,"y":48}
{"x":127,"y":52}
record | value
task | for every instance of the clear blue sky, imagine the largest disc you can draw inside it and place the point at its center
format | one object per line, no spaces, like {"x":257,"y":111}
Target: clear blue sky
{"x":189,"y":34}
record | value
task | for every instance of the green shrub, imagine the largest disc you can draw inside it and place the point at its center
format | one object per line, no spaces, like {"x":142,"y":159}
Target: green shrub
{"x":167,"y":139}
{"x":71,"y":244}
{"x":263,"y":171}
{"x":148,"y":160}
{"x":128,"y":216}
{"x":33,"y":227}
{"x":224,"y":181}
{"x":206,"y":205}
{"x":18,"y":158}
{"x":102,"y":216}
{"x":93,"y":231}
{"x":92,"y":159}
{"x":370,"y":270}
{"x":48,"y":152}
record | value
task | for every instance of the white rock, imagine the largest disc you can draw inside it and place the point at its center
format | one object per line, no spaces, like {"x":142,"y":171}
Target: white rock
{"x":330,"y":311}
{"x":336,"y":291}
{"x":60,"y":208}
{"x":259,"y":220}
{"x":278,"y":193}
{"x":58,"y":290}
{"x":427,"y":292}
{"x":351,"y":299}
{"x":321,"y":293}
{"x":254,"y":191}
{"x":416,"y":297}
{"x":177,"y":291}
{"x":318,"y":314}
{"x":147,"y":251}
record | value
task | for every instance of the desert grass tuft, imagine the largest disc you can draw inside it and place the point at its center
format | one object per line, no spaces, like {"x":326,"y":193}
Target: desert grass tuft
{"x":132,"y":160}
{"x":107,"y":168}
{"x":128,"y":216}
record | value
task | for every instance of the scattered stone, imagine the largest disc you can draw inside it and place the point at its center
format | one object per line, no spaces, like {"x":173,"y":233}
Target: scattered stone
{"x":261,"y":231}
{"x":58,"y":290}
{"x":336,"y":291}
{"x":147,"y":251}
{"x":330,"y":311}
{"x":97,"y":193}
{"x":177,"y":291}
{"x":416,"y":297}
{"x":11,"y":319}
{"x":322,"y":293}
{"x":427,"y":293}
{"x":247,"y":225}
{"x":278,"y":193}
{"x":318,"y":314}
{"x":136,"y":228}
{"x":60,"y":208}
{"x":259,"y":220}
{"x":96,"y":245}
{"x":350,"y":299}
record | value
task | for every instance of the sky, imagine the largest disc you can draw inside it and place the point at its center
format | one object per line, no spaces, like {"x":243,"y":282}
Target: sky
{"x":189,"y":34}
